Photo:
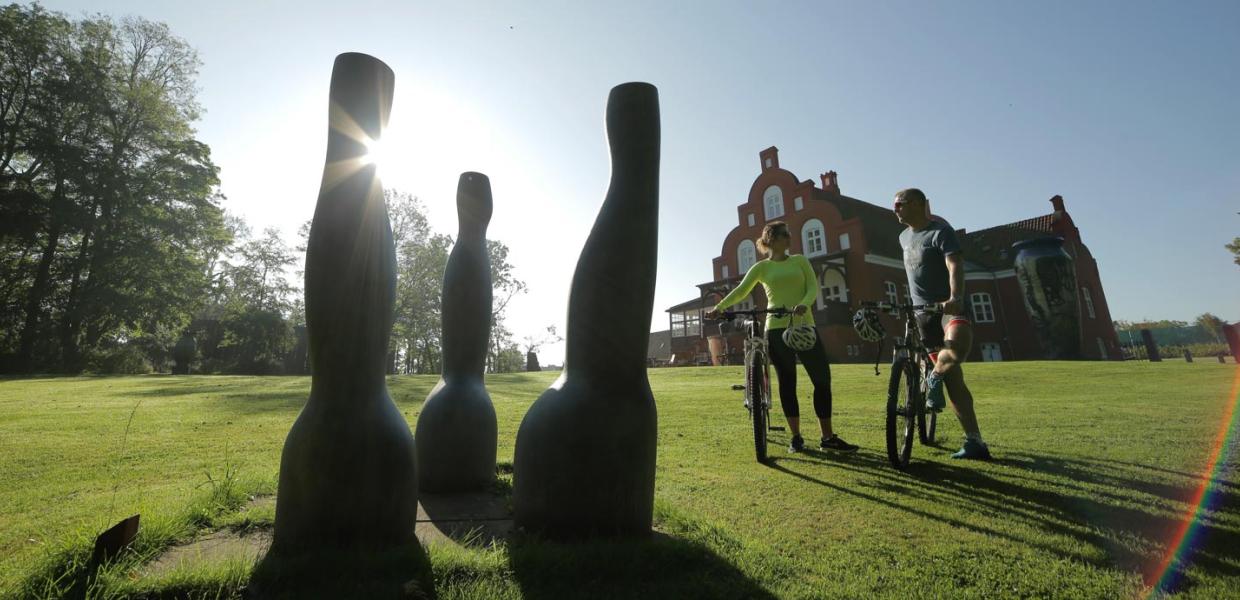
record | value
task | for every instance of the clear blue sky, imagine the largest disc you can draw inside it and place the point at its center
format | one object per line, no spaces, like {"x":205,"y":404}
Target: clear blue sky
{"x":1127,"y":109}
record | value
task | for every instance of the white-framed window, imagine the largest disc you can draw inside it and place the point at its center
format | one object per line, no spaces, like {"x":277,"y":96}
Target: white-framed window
{"x":768,"y":163}
{"x":844,"y":241}
{"x":746,"y":256}
{"x":678,"y":324}
{"x":833,"y":288}
{"x":773,"y":200}
{"x":983,"y":309}
{"x":907,"y":297}
{"x":749,"y":219}
{"x":892,"y":296}
{"x":726,"y":274}
{"x":693,"y":323}
{"x":798,"y":203}
{"x":746,"y":304}
{"x":813,"y":238}
{"x":1102,"y":349}
{"x":1089,"y":304}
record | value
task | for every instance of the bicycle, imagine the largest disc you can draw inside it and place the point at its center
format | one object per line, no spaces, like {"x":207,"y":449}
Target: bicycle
{"x":906,"y":391}
{"x":757,"y":385}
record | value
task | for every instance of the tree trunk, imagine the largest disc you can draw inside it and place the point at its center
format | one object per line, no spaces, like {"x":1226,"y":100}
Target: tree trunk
{"x":38,"y":291}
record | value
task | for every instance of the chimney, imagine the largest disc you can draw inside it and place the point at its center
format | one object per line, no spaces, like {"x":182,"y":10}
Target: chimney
{"x":830,"y":182}
{"x":770,"y":158}
{"x":1057,"y":202}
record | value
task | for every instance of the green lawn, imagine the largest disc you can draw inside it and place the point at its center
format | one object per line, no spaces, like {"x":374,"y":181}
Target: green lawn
{"x":1095,"y":464}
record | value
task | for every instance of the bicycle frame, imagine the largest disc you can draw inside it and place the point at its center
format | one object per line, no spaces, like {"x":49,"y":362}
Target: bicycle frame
{"x":757,"y":357}
{"x":910,"y":366}
{"x":757,"y":376}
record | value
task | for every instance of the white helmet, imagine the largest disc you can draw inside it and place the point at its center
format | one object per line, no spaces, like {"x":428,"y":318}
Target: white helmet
{"x":800,"y":337}
{"x":867,"y":325}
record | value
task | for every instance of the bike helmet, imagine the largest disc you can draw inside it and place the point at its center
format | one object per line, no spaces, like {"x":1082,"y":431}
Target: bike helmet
{"x":867,"y":325}
{"x":800,"y":337}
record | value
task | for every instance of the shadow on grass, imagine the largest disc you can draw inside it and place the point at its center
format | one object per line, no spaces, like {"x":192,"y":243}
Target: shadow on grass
{"x":403,"y":572}
{"x":662,"y":566}
{"x":1097,"y":503}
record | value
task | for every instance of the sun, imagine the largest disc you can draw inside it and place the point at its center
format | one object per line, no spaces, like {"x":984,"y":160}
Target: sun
{"x":375,"y":154}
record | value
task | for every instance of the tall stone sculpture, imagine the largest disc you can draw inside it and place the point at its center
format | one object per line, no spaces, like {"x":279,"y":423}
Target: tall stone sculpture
{"x":1048,"y":284}
{"x":456,"y":433}
{"x":347,"y":475}
{"x":585,"y":452}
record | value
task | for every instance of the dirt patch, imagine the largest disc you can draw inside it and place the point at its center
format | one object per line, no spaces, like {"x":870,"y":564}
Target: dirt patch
{"x":215,"y":547}
{"x":475,"y":520}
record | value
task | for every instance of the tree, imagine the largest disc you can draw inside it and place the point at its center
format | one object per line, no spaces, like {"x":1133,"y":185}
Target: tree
{"x":259,"y":280}
{"x":505,"y":286}
{"x":1234,"y":247}
{"x":110,"y":206}
{"x":1212,"y":325}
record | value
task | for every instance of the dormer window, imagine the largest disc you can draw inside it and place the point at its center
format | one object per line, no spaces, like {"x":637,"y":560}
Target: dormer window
{"x":774,"y":202}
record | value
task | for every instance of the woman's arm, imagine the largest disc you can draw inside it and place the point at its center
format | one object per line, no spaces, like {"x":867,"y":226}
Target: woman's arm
{"x":811,"y":283}
{"x":752,"y":277}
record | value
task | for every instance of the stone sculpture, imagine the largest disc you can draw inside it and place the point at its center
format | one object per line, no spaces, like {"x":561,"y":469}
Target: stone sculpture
{"x":585,"y":453}
{"x":1048,"y":284}
{"x":347,"y":474}
{"x":456,"y":432}
{"x":184,"y":353}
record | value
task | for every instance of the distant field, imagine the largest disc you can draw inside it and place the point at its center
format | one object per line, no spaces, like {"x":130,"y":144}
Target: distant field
{"x":1095,"y":464}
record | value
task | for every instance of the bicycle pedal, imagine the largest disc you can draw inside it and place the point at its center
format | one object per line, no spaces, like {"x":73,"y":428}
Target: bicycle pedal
{"x":777,"y":428}
{"x":738,"y":387}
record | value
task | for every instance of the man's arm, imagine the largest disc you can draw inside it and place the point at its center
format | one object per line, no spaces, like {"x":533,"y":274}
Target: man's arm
{"x":955,"y":273}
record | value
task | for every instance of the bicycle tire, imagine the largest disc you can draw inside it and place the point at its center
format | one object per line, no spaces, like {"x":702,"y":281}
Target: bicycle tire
{"x":927,"y":421}
{"x":758,"y":401}
{"x":902,"y":404}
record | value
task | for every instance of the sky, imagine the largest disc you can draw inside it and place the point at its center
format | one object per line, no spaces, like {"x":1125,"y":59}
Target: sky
{"x":1126,"y":109}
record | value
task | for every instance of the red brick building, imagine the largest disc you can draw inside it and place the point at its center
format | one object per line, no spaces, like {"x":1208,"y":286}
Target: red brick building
{"x":855,"y":251}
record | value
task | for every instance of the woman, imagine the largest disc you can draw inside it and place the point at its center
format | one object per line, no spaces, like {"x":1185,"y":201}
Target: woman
{"x":789,"y":282}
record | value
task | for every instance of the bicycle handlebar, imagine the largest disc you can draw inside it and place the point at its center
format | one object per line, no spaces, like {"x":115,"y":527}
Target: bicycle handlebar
{"x":732,"y":314}
{"x":904,"y":307}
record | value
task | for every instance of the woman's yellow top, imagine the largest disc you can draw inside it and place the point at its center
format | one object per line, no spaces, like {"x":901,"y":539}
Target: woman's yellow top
{"x":787,"y":282}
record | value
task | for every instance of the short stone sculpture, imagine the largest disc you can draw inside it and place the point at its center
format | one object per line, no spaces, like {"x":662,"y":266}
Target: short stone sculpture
{"x":584,"y":461}
{"x":347,"y":475}
{"x":456,"y":433}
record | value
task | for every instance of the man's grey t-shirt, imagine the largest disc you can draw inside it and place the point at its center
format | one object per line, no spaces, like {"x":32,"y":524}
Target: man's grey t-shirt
{"x":924,"y":251}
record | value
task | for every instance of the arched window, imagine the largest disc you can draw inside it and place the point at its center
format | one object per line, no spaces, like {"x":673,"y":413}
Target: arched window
{"x":813,"y":238}
{"x":746,"y":256}
{"x":833,"y":288}
{"x":773,"y":199}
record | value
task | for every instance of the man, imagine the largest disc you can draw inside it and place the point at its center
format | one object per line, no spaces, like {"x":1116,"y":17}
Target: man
{"x":935,"y":268}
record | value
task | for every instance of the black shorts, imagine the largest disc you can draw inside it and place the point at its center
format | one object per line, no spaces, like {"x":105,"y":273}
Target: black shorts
{"x":932,"y":327}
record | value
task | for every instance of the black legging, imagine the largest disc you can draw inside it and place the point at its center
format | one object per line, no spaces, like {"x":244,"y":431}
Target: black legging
{"x":785,"y":361}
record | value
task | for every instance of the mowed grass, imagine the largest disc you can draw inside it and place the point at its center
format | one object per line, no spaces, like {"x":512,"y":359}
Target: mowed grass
{"x":1096,"y":466}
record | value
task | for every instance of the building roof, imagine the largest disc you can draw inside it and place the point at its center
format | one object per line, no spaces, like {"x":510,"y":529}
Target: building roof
{"x":882,"y":229}
{"x":689,"y":305}
{"x":992,"y":247}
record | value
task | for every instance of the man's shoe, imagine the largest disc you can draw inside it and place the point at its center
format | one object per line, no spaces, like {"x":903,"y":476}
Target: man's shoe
{"x":837,"y":444}
{"x":973,"y":449}
{"x":935,"y":402}
{"x":797,"y":445}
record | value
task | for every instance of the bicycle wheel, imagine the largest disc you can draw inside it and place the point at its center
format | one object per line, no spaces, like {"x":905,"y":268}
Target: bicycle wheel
{"x":927,"y":421}
{"x":902,"y":396}
{"x":760,"y":393}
